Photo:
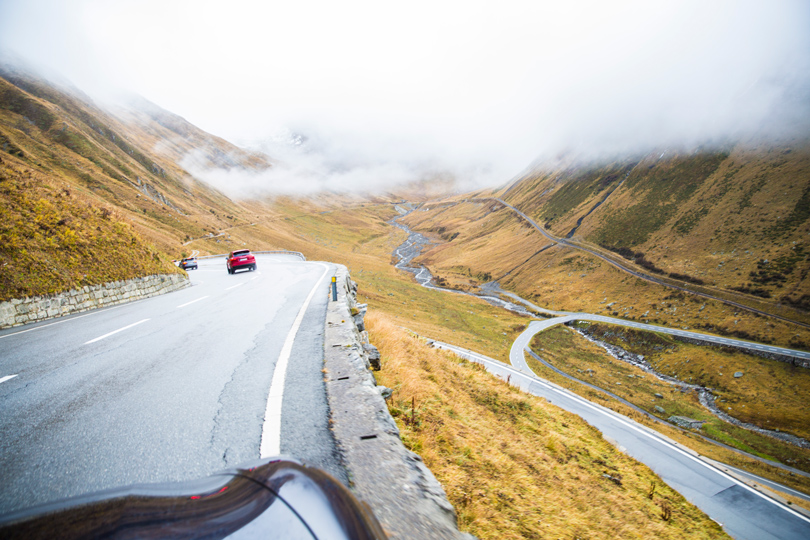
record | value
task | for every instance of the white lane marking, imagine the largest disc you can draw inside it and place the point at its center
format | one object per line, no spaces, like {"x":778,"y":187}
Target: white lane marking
{"x":271,"y":430}
{"x":620,"y":419}
{"x":7,"y":378}
{"x":63,"y":321}
{"x":115,"y":332}
{"x":189,"y":303}
{"x":235,"y":286}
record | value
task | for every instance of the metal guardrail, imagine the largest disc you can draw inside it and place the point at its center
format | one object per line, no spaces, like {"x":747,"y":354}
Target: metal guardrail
{"x":276,"y":252}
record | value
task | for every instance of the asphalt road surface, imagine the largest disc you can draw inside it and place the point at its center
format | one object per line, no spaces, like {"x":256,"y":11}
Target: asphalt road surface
{"x":745,"y":513}
{"x":719,"y":340}
{"x":169,"y":388}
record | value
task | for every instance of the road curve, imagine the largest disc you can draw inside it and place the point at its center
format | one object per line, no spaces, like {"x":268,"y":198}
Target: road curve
{"x":416,"y":242}
{"x":539,"y":326}
{"x":170,"y":388}
{"x":745,"y":513}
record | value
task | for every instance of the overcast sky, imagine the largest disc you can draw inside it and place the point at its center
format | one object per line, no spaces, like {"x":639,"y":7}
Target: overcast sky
{"x":388,"y":90}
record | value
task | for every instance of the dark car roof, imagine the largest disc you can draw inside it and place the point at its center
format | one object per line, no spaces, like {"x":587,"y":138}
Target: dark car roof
{"x":240,"y":252}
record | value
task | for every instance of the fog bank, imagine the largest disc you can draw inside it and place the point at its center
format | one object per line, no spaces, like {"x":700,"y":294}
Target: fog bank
{"x":361,"y":96}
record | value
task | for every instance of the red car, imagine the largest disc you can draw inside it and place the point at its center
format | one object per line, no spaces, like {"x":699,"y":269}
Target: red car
{"x":240,"y":259}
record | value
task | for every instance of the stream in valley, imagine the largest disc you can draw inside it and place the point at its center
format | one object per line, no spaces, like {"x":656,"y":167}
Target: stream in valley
{"x":413,"y":247}
{"x":416,"y":243}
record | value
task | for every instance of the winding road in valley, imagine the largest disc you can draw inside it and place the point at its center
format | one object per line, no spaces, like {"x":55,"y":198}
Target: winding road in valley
{"x":170,"y":388}
{"x":744,"y":512}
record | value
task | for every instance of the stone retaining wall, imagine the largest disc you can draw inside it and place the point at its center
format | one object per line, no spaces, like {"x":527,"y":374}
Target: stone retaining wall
{"x":27,"y":310}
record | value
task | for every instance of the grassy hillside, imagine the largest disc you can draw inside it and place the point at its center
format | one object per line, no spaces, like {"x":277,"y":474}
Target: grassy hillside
{"x":489,"y":242}
{"x":54,"y":238}
{"x":769,"y":394}
{"x":515,"y":466}
{"x":735,"y":219}
{"x":87,"y":197}
{"x":479,"y":240}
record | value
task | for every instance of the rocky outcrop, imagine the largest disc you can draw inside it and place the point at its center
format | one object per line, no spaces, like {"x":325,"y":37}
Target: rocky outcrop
{"x":27,"y":310}
{"x":686,"y":422}
{"x":403,"y":493}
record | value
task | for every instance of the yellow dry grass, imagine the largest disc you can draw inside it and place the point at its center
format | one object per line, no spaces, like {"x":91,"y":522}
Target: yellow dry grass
{"x":55,"y":238}
{"x":769,"y":393}
{"x":513,"y":465}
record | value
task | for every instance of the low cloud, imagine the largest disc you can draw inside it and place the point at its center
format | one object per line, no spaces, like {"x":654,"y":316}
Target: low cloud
{"x":384,"y":92}
{"x":308,"y":164}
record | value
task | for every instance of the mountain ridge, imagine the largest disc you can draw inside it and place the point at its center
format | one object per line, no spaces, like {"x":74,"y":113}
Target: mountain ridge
{"x":80,"y":184}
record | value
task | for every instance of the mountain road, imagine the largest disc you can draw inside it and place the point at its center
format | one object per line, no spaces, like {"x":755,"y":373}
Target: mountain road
{"x":709,"y":338}
{"x":170,"y":388}
{"x":745,"y":513}
{"x":642,"y":275}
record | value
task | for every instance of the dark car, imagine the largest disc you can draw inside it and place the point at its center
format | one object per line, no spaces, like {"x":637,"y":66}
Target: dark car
{"x":241,"y":259}
{"x":275,"y":498}
{"x":188,"y":264}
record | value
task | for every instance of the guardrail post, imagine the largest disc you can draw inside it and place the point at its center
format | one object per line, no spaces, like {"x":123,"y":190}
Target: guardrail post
{"x":334,"y":288}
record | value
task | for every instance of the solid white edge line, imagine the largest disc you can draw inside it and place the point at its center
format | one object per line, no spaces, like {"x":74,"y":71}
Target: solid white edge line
{"x":696,"y":335}
{"x":189,"y":303}
{"x":764,"y":481}
{"x":271,"y":429}
{"x":621,"y":420}
{"x":115,"y":332}
{"x":6,"y":378}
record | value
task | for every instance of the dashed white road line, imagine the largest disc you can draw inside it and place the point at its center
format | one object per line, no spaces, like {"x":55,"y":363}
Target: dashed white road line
{"x":115,"y":332}
{"x":271,"y":430}
{"x":235,"y":286}
{"x":64,"y":321}
{"x":6,"y":378}
{"x":193,"y":301}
